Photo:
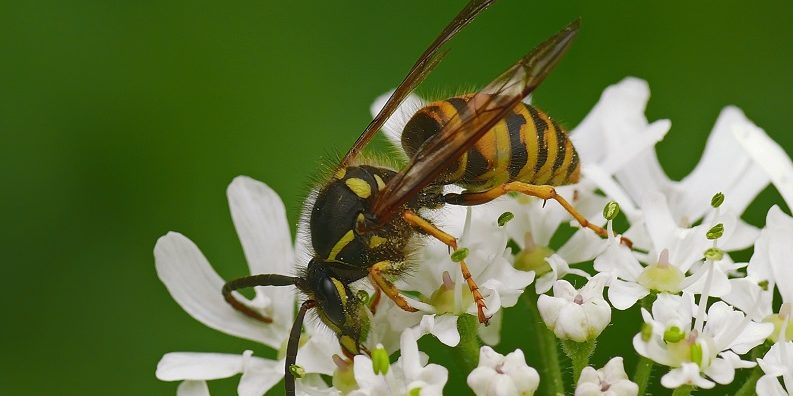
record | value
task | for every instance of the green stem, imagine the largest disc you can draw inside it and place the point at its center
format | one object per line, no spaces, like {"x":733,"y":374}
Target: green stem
{"x":642,"y":374}
{"x":684,"y":390}
{"x":579,"y":353}
{"x":644,"y":368}
{"x":748,"y":387}
{"x":468,"y":349}
{"x":545,"y":341}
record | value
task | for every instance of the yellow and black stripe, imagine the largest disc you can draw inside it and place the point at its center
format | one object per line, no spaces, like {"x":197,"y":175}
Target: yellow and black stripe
{"x":526,"y":146}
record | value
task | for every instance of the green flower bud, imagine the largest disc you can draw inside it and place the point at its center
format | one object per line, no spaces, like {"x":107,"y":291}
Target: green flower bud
{"x":505,"y":218}
{"x":717,"y":200}
{"x":611,"y":210}
{"x":673,"y":334}
{"x":380,"y":361}
{"x":297,"y":371}
{"x":714,"y":254}
{"x":646,"y":332}
{"x":415,"y":392}
{"x":459,"y":255}
{"x":715,"y":232}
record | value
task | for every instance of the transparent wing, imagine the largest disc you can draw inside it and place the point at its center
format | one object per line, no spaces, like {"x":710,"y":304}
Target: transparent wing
{"x":420,"y":70}
{"x":485,"y":108}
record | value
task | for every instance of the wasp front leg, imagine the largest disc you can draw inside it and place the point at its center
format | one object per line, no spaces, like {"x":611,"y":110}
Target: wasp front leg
{"x":377,"y":274}
{"x":424,"y":225}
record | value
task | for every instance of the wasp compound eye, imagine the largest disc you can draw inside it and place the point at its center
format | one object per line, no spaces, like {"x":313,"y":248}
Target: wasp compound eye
{"x":331,"y":295}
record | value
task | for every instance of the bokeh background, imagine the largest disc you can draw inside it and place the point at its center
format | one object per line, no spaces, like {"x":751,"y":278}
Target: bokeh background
{"x":122,"y":120}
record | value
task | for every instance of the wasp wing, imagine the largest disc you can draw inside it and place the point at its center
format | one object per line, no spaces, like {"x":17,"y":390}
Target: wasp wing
{"x":420,"y":70}
{"x":484,"y":110}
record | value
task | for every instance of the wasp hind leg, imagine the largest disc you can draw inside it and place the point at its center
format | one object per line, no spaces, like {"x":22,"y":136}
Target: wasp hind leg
{"x":377,"y":274}
{"x":544,"y":192}
{"x":421,"y":223}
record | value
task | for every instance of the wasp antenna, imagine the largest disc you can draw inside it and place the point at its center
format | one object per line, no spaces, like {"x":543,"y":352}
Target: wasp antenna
{"x":251,"y":281}
{"x":291,"y":348}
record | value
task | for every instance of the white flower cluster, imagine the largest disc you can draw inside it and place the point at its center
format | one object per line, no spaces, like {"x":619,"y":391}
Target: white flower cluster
{"x":703,"y":315}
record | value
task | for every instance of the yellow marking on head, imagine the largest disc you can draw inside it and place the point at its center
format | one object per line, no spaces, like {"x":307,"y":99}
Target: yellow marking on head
{"x":344,"y":241}
{"x":340,"y":290}
{"x":341,"y":173}
{"x":359,"y":186}
{"x":380,"y":183}
{"x":376,"y":241}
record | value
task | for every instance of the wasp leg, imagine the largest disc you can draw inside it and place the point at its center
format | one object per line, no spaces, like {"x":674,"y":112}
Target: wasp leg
{"x":544,"y":192}
{"x":421,"y":223}
{"x":376,"y":273}
{"x":375,"y":300}
{"x":251,"y":281}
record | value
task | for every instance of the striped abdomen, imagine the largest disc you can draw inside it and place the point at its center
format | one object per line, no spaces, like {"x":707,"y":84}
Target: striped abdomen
{"x":527,"y":146}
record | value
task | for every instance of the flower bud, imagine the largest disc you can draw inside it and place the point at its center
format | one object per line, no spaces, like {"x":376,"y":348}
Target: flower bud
{"x":380,"y":360}
{"x":577,"y":315}
{"x":502,"y":375}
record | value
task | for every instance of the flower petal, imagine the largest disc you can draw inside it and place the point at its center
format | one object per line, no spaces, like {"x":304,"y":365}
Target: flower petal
{"x":196,"y":287}
{"x":260,"y":219}
{"x":687,"y":374}
{"x":623,"y":295}
{"x":259,"y":376}
{"x":192,"y":388}
{"x":179,"y":366}
{"x":768,"y":385}
{"x":770,"y":156}
{"x":739,"y":177}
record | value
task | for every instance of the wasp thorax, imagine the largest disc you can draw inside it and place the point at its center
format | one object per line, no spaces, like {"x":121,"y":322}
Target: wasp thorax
{"x":340,"y":206}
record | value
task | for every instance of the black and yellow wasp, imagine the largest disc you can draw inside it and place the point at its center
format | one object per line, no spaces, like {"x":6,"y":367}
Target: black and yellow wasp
{"x":488,"y":142}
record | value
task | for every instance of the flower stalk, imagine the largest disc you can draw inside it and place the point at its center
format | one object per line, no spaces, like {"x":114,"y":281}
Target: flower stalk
{"x":579,"y":353}
{"x":468,"y":349}
{"x":550,"y":372}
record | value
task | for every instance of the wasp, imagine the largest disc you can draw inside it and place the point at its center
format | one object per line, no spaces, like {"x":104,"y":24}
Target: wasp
{"x":364,"y":217}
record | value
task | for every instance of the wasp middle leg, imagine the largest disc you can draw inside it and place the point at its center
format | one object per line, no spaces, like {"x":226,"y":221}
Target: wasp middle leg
{"x":377,"y":274}
{"x":421,"y":223}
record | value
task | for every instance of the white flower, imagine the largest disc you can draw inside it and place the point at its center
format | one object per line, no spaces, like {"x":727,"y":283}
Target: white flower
{"x":724,"y":167}
{"x":534,"y":224}
{"x":499,"y":375}
{"x":616,"y":135}
{"x":777,"y":362}
{"x":674,"y":260}
{"x":199,"y":367}
{"x":767,"y":270}
{"x":409,"y":374}
{"x":260,"y":220}
{"x":441,"y":286}
{"x":697,"y":350}
{"x":611,"y":380}
{"x":577,"y":315}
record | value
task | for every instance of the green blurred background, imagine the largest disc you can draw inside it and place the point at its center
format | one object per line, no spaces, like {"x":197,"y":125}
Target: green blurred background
{"x":120,"y":121}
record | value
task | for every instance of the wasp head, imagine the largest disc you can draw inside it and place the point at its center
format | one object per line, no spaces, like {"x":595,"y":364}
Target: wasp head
{"x":337,"y":306}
